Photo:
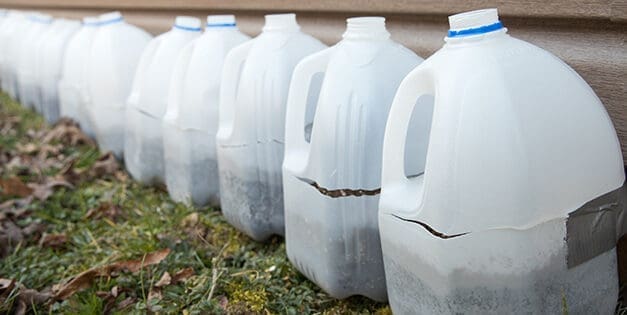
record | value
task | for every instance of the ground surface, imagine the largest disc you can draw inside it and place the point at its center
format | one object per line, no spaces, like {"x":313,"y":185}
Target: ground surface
{"x":78,"y":236}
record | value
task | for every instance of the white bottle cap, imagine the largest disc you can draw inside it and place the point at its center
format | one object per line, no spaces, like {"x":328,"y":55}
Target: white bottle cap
{"x":90,"y":20}
{"x":473,"y":19}
{"x":187,"y":23}
{"x":220,"y":20}
{"x":110,"y":17}
{"x":276,"y":22}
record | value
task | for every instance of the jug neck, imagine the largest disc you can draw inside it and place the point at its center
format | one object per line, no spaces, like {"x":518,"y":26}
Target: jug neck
{"x":41,"y":18}
{"x":474,"y":25}
{"x":110,"y":18}
{"x":221,"y":22}
{"x":366,"y":28}
{"x":186,"y":24}
{"x":281,"y":23}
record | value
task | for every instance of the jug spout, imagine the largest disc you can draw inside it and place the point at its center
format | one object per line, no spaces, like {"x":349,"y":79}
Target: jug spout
{"x":187,"y":23}
{"x":221,"y":21}
{"x":281,"y":22}
{"x":110,"y":18}
{"x":474,"y":23}
{"x":369,"y":27}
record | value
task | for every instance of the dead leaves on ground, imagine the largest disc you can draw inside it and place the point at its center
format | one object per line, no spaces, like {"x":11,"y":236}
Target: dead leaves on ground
{"x":86,"y":278}
{"x":27,"y":297}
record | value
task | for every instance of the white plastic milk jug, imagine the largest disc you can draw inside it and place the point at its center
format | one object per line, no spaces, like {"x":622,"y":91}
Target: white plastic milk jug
{"x":12,"y":41}
{"x":10,"y":26}
{"x":332,"y":178}
{"x":143,"y":142}
{"x":517,"y":208}
{"x":50,"y":58}
{"x":115,"y":52}
{"x":73,"y":94}
{"x":191,"y":120}
{"x":250,"y":137}
{"x":26,"y":66}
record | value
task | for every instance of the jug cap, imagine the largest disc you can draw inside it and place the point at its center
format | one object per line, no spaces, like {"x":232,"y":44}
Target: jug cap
{"x":110,"y":18}
{"x":41,"y":18}
{"x":226,"y":20}
{"x":474,"y":23}
{"x":366,"y":27}
{"x":187,"y":23}
{"x":281,"y":22}
{"x":90,"y":21}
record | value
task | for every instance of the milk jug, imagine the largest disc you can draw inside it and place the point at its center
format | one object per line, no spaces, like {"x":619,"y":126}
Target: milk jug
{"x":143,"y":142}
{"x":9,"y":28}
{"x":191,"y":120}
{"x":49,"y":66}
{"x":332,"y":177}
{"x":250,"y":138}
{"x":517,"y":209}
{"x":115,"y":52}
{"x":74,"y":99}
{"x":12,"y":39}
{"x":26,"y":57}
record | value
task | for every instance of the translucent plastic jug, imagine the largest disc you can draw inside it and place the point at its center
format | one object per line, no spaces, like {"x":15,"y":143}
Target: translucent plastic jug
{"x":73,"y":93}
{"x":26,"y":56}
{"x":191,"y":120}
{"x":143,"y":142}
{"x":517,"y":208}
{"x":11,"y":43}
{"x":332,"y":177}
{"x":115,"y":52}
{"x":50,"y":57}
{"x":250,"y":137}
{"x":8,"y":29}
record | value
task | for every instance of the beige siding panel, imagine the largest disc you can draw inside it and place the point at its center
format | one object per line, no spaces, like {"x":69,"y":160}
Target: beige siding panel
{"x":589,"y":35}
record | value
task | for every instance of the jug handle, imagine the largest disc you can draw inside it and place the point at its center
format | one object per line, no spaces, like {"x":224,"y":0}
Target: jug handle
{"x":231,"y":74}
{"x":417,"y":83}
{"x":297,"y":99}
{"x":144,"y":62}
{"x":177,"y":82}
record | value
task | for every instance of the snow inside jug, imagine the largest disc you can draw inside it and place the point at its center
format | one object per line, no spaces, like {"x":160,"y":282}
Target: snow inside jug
{"x":191,"y":120}
{"x":518,"y":205}
{"x":26,"y":56}
{"x":115,"y":52}
{"x":143,"y":141}
{"x":332,"y":177}
{"x":250,"y":137}
{"x":50,"y":58}
{"x":74,"y":100}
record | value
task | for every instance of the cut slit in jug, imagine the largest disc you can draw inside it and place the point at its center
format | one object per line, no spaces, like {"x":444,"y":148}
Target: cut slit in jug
{"x":191,"y":121}
{"x":115,"y":52}
{"x":253,"y":96}
{"x":74,"y":101}
{"x":332,"y":181}
{"x":143,"y":140}
{"x":518,"y":143}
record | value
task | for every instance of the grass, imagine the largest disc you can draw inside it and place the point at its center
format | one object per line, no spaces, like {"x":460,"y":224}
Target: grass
{"x":231,"y":273}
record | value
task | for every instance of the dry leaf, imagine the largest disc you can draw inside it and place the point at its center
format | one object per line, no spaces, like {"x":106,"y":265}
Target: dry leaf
{"x":44,"y":191}
{"x":86,"y":278}
{"x":190,"y":220}
{"x":183,"y":274}
{"x":14,"y":186}
{"x":105,"y":165}
{"x":165,"y":280}
{"x":53,"y":240}
{"x":105,"y":209}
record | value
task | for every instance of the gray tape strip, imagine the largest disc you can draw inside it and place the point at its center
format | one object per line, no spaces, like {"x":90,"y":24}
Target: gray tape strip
{"x":596,"y":226}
